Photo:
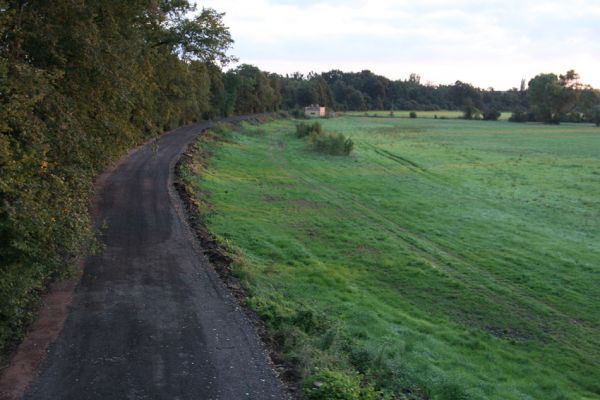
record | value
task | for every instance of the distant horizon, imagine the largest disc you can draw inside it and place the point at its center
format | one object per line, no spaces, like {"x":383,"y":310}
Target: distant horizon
{"x":495,"y":44}
{"x":423,"y":81}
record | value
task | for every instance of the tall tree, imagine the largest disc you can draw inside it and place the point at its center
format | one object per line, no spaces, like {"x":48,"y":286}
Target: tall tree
{"x":551,"y":96}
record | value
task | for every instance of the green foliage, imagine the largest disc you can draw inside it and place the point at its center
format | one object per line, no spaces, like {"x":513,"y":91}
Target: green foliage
{"x":519,"y":116}
{"x":412,"y":114}
{"x":451,"y":391}
{"x":334,"y":385}
{"x":552,"y":96}
{"x":284,"y":114}
{"x":471,"y":112}
{"x":324,"y":142}
{"x":334,"y":143}
{"x":252,"y":90}
{"x":303,"y":129}
{"x":80,"y":83}
{"x":491,"y":115}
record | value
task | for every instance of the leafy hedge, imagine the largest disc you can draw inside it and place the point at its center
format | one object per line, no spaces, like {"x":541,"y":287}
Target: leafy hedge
{"x":80,"y":83}
{"x":324,"y":142}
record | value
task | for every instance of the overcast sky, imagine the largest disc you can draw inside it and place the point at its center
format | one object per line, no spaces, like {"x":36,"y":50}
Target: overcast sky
{"x":487,"y":43}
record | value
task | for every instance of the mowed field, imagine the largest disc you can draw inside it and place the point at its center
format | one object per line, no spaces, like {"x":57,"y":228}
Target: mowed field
{"x":442,"y":259}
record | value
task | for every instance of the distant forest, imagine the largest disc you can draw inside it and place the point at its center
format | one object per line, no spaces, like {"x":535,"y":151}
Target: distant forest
{"x":546,"y":98}
{"x":81,"y":82}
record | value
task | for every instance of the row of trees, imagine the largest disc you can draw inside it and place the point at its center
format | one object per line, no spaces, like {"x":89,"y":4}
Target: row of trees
{"x":367,"y":91}
{"x":559,"y":98}
{"x":547,"y":97}
{"x":80,"y":83}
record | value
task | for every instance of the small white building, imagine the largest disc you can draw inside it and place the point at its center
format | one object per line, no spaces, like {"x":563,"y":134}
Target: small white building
{"x":314,"y":111}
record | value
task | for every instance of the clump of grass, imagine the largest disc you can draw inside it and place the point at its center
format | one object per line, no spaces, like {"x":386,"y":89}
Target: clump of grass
{"x":334,"y":385}
{"x":221,"y":130}
{"x":250,"y":129}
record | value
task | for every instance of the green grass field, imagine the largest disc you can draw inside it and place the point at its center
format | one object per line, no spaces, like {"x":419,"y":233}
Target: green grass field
{"x":443,"y":259}
{"x":444,"y":114}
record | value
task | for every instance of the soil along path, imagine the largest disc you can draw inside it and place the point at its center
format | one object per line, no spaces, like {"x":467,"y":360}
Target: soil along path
{"x":150,"y":318}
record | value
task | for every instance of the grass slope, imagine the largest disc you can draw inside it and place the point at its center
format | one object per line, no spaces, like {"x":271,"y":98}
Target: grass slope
{"x":445,"y":259}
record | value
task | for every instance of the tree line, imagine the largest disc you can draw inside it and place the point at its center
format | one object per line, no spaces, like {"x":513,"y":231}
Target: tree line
{"x":80,"y":83}
{"x":545,"y":98}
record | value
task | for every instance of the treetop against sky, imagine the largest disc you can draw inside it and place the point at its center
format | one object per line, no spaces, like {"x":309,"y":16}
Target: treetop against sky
{"x":491,"y":43}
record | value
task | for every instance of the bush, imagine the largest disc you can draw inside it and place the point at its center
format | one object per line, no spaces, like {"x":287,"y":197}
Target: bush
{"x":596,"y":115}
{"x":519,"y":116}
{"x":471,"y":112}
{"x":573,"y":117}
{"x":331,"y":143}
{"x":298,"y":113}
{"x":412,"y":114}
{"x":328,"y":143}
{"x":304,"y":130}
{"x":333,"y":385}
{"x":491,"y":115}
{"x":283,"y":114}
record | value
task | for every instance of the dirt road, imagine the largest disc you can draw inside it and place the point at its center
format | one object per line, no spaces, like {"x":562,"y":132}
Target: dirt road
{"x":150,"y":319}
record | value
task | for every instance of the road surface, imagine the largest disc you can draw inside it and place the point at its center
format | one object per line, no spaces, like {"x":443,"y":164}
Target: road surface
{"x":150,"y":318}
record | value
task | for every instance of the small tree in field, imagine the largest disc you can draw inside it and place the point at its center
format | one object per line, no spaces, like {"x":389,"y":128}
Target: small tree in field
{"x":491,"y":115}
{"x":552,"y":96}
{"x":596,"y":115}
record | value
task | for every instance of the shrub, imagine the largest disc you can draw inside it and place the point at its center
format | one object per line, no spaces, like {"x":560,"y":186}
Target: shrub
{"x":471,"y":112}
{"x":348,"y":146}
{"x":304,"y":130}
{"x":519,"y":116}
{"x":391,"y":114}
{"x":596,"y":115}
{"x":331,"y":143}
{"x":573,"y":117}
{"x":223,"y":131}
{"x":412,"y":114}
{"x":328,"y":143}
{"x":491,"y":115}
{"x":298,"y":113}
{"x":333,"y":385}
{"x":283,"y":114}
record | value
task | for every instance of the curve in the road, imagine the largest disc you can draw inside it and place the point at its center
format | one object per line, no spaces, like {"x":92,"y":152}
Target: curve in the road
{"x":150,"y":318}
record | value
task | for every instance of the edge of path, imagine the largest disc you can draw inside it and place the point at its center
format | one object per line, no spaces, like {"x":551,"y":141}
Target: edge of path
{"x":220,"y":262}
{"x":24,"y":362}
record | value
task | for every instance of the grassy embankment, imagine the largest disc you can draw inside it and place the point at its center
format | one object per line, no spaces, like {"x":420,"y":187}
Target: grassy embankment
{"x":443,"y":258}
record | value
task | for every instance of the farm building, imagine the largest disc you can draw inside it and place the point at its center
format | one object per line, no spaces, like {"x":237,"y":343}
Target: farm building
{"x":314,"y":110}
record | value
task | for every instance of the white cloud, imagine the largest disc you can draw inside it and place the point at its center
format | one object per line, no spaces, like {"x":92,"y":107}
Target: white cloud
{"x":493,"y":43}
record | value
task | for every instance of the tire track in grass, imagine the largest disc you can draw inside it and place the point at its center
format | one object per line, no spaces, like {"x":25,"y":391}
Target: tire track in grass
{"x":439,"y":257}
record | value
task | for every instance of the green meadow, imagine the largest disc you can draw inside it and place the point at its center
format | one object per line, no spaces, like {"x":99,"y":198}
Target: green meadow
{"x":442,"y":259}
